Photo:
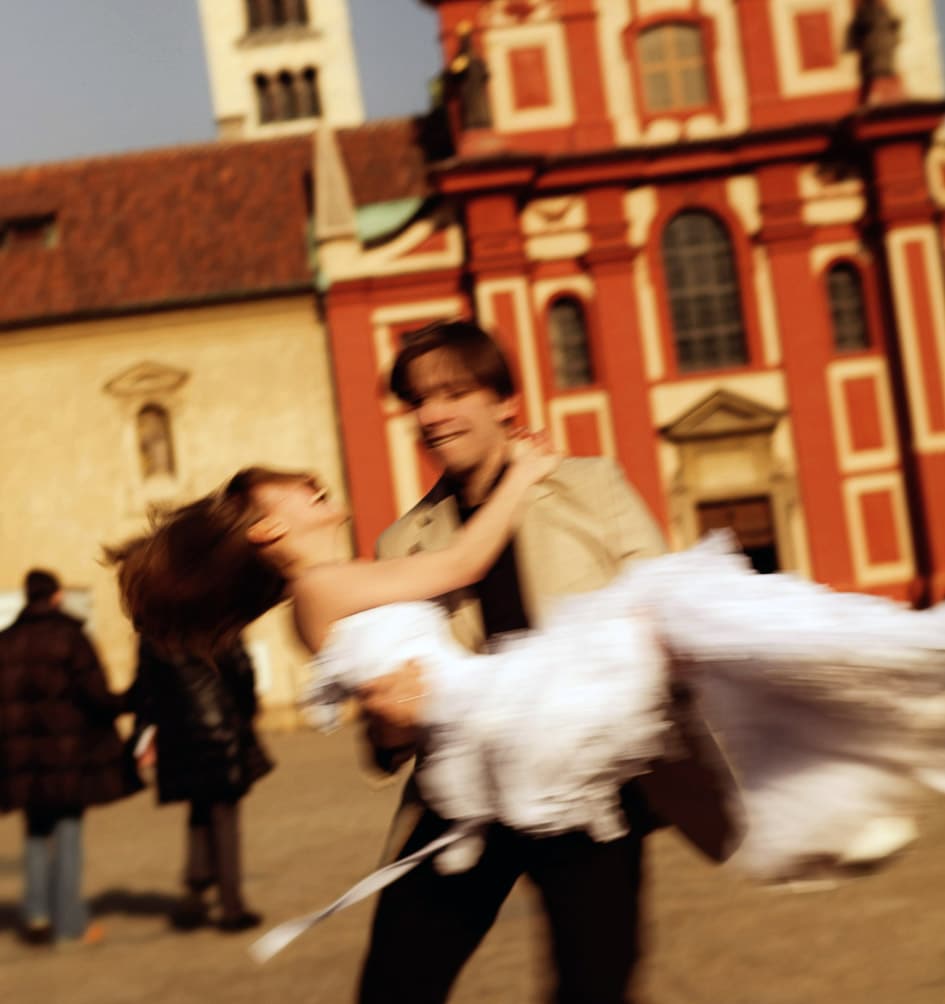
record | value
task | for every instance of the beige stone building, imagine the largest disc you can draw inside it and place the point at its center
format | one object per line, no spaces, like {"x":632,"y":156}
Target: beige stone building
{"x":158,"y":330}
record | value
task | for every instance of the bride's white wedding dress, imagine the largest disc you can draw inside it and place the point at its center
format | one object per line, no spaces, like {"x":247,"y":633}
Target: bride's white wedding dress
{"x":830,"y":707}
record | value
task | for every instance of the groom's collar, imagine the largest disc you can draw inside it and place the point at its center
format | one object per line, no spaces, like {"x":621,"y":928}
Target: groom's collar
{"x":454,"y":487}
{"x":447,"y":489}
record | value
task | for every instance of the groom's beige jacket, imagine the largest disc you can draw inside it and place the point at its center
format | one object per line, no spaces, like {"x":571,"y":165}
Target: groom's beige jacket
{"x":580,"y":526}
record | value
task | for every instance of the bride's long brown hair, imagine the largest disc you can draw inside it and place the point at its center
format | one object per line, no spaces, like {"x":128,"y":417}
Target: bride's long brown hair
{"x":195,"y":581}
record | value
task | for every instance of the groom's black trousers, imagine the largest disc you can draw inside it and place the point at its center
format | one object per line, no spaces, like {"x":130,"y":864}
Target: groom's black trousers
{"x":427,"y":925}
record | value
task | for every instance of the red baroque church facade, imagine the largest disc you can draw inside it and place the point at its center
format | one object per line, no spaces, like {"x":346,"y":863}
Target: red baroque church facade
{"x":707,"y":231}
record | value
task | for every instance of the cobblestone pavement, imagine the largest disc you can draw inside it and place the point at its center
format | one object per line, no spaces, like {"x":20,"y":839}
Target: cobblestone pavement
{"x":313,"y":827}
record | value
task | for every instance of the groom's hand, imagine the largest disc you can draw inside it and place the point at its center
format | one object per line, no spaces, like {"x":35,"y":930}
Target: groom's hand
{"x":394,"y":705}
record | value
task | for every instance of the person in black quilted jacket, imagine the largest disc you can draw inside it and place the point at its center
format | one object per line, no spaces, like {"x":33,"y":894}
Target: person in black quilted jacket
{"x":207,"y":754}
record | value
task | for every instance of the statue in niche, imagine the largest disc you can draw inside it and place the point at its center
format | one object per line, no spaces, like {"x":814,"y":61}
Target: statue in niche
{"x":155,"y":448}
{"x":874,"y":34}
{"x":467,"y":77}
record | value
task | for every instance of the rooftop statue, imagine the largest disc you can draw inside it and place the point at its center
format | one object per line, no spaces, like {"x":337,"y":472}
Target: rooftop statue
{"x":874,"y":34}
{"x":467,"y":77}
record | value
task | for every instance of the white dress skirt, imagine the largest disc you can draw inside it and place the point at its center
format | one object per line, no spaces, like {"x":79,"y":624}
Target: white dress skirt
{"x":830,"y":706}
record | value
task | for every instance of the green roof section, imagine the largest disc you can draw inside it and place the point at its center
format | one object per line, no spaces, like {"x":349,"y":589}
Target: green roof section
{"x":382,"y":218}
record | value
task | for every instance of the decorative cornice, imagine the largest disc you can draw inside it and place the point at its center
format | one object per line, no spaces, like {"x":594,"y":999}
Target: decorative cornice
{"x":698,"y":158}
{"x":145,"y":379}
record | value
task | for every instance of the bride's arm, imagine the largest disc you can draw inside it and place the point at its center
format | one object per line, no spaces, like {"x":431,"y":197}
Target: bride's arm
{"x":330,"y":592}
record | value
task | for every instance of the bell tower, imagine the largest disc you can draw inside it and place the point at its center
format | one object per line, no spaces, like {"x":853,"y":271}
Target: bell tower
{"x":280,"y":66}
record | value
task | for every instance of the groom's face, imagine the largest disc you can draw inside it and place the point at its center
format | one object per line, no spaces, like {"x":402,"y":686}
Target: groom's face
{"x":462,"y":424}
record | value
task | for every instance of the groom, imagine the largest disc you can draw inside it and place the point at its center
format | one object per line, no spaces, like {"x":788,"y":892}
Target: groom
{"x":581,"y":525}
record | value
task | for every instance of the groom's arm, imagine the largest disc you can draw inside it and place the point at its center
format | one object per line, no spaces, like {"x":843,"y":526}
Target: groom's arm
{"x":389,"y":704}
{"x":392,"y":706}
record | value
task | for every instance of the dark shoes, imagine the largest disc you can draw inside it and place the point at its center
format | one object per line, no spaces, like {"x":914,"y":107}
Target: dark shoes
{"x":36,"y":933}
{"x":241,"y":922}
{"x":193,"y":911}
{"x":190,"y":913}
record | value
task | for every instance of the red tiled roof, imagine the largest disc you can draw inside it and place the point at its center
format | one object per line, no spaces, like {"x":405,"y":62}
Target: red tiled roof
{"x":162,"y":227}
{"x":385,"y":160}
{"x":186,"y":224}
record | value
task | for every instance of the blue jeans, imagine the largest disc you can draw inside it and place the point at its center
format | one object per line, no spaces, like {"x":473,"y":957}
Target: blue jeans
{"x":52,"y":868}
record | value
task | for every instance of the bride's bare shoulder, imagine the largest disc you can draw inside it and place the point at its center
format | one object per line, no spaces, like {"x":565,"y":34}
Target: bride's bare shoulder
{"x":329,"y":591}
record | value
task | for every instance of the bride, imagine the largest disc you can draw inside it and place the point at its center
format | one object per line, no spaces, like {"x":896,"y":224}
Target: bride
{"x":830,"y":706}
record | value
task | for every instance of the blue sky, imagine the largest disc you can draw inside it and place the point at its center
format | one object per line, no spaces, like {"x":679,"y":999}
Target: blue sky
{"x":79,"y":77}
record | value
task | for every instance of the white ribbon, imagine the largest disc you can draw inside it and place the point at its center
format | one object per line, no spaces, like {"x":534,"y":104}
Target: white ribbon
{"x":275,"y":940}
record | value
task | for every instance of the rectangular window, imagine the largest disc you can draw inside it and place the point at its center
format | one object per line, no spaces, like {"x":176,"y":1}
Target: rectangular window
{"x":673,"y":67}
{"x":23,"y":232}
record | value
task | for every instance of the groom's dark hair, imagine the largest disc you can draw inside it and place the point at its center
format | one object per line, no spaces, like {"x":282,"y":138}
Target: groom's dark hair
{"x":471,"y":347}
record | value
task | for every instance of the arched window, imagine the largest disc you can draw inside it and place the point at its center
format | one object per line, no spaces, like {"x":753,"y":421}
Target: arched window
{"x":703,"y":291}
{"x":847,"y":308}
{"x":155,"y":443}
{"x":265,"y":99}
{"x":288,"y":99}
{"x":570,"y":354}
{"x":673,"y":67}
{"x":310,"y":102}
{"x":278,"y":13}
{"x":288,"y":96}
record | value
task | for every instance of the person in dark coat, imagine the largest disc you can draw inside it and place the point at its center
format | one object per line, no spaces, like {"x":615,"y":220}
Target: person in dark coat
{"x":208,"y":755}
{"x":59,"y":754}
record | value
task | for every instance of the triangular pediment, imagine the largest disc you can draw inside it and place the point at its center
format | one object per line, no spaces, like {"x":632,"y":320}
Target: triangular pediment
{"x":722,"y":413}
{"x":146,"y":378}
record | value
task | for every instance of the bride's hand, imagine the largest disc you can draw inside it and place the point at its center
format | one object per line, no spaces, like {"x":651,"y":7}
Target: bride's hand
{"x":532,"y":455}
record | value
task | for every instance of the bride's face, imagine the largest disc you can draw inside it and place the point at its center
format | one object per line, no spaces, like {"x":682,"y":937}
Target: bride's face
{"x":302,"y":504}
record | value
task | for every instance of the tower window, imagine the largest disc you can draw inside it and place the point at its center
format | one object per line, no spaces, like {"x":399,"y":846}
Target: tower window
{"x":570,"y":355}
{"x":288,"y":96}
{"x":265,"y":99}
{"x":704,"y":297}
{"x":275,"y":13}
{"x":310,"y":102}
{"x":288,"y":102}
{"x":847,"y":308}
{"x":673,"y":68}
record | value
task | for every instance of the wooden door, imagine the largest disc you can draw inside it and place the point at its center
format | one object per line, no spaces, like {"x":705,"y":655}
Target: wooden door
{"x":751,"y":520}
